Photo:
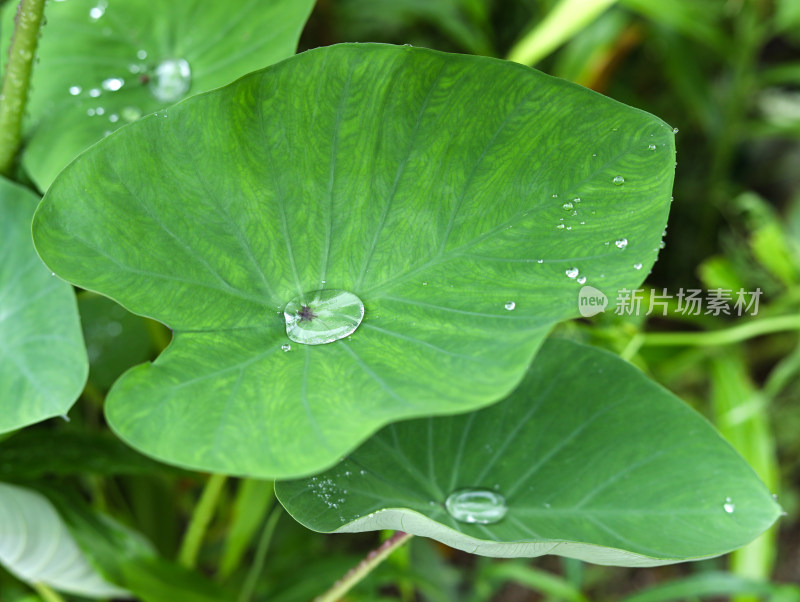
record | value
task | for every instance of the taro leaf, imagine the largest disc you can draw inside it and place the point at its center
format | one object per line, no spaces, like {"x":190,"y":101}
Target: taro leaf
{"x":595,"y":462}
{"x":422,"y":182}
{"x":43,"y":362}
{"x":36,"y":546}
{"x":104,"y":63}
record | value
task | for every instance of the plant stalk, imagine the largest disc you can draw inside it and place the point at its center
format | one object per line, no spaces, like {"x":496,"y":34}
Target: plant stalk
{"x":363,"y":568}
{"x":16,"y":80}
{"x":46,"y":593}
{"x":261,"y":556}
{"x":201,"y":517}
{"x":725,"y":336}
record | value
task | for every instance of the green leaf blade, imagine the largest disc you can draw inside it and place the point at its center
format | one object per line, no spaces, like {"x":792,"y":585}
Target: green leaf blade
{"x":632,"y":477}
{"x":420,"y":182}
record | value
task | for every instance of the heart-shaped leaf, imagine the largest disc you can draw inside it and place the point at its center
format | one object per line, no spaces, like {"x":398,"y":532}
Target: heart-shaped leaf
{"x":588,"y":459}
{"x":461,"y":200}
{"x":106,"y":63}
{"x":43,"y":363}
{"x":37,"y":547}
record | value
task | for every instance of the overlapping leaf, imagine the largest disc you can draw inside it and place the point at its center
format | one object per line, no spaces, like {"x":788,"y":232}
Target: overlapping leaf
{"x":43,"y":363}
{"x":105,"y":63}
{"x":463,"y":200}
{"x":594,"y":460}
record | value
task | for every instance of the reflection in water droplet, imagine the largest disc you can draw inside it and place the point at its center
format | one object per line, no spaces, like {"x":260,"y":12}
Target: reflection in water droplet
{"x":113,"y":84}
{"x":572,"y":273}
{"x":729,"y":506}
{"x":622,"y":243}
{"x":637,"y":266}
{"x":171,"y":80}
{"x":618,"y":180}
{"x":510,"y":305}
{"x":323,"y":316}
{"x":131,"y":113}
{"x":481,"y":506}
{"x":74,"y":90}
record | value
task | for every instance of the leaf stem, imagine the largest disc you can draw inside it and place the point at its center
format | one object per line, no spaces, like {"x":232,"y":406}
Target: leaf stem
{"x":363,"y":568}
{"x":16,"y":80}
{"x":201,"y":517}
{"x":725,"y":336}
{"x":46,"y":593}
{"x":261,"y":555}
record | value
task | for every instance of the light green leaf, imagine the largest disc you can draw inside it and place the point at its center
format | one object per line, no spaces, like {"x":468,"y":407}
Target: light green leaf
{"x":36,"y":546}
{"x":462,"y":200}
{"x":105,"y":63}
{"x":593,"y":459}
{"x":43,"y":363}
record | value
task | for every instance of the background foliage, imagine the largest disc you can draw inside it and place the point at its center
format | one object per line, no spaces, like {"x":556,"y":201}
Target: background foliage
{"x":727,"y":74}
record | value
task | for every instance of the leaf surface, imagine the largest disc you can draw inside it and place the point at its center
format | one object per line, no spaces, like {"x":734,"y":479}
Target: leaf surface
{"x":594,"y":460}
{"x":36,"y":546}
{"x":103,"y":64}
{"x":43,"y":364}
{"x":430,"y":186}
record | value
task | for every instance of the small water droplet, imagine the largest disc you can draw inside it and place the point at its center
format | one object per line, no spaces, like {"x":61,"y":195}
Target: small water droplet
{"x":577,"y":199}
{"x":94,"y":92}
{"x":618,"y":180}
{"x":323,"y":316}
{"x":572,"y":273}
{"x":90,"y":112}
{"x":141,"y":54}
{"x":113,"y":118}
{"x":171,"y":79}
{"x":651,"y":146}
{"x":675,"y":130}
{"x":74,"y":90}
{"x":112,"y":84}
{"x":560,"y":226}
{"x":637,"y":266}
{"x":540,"y":261}
{"x":477,"y":506}
{"x":662,"y":244}
{"x":424,"y":284}
{"x":567,"y":205}
{"x":131,"y":114}
{"x":100,"y":110}
{"x":621,"y":243}
{"x":510,"y":305}
{"x":286,"y":348}
{"x":555,"y":196}
{"x":729,"y":506}
{"x":98,"y":10}
{"x":581,"y":280}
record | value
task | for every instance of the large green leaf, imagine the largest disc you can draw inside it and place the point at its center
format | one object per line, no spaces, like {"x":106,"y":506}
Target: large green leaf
{"x":594,"y":460}
{"x":36,"y":546}
{"x":99,"y":63}
{"x":429,"y":185}
{"x":43,"y":363}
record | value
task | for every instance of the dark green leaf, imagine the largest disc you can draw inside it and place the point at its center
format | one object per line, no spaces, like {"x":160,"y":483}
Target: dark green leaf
{"x":593,"y":459}
{"x":463,"y":200}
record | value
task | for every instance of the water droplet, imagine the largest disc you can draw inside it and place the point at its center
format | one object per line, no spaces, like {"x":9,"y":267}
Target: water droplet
{"x":572,"y":273}
{"x":171,"y":80}
{"x":577,"y":199}
{"x":618,"y":180}
{"x":424,"y":284}
{"x":100,"y":110}
{"x":567,"y":205}
{"x":141,"y":54}
{"x":637,"y":266}
{"x":477,"y":506}
{"x":662,"y":244}
{"x":555,"y":196}
{"x":131,"y":114}
{"x":74,"y":90}
{"x":560,"y":226}
{"x":729,"y":506}
{"x":112,"y":84}
{"x":322,"y":316}
{"x":90,"y":112}
{"x":652,"y":146}
{"x":286,"y":348}
{"x":94,"y":92}
{"x":581,"y":280}
{"x":113,"y":118}
{"x":675,"y":130}
{"x":510,"y":305}
{"x":540,"y":261}
{"x":621,"y":243}
{"x":97,"y":11}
